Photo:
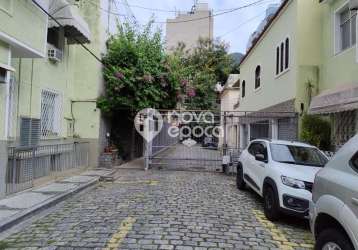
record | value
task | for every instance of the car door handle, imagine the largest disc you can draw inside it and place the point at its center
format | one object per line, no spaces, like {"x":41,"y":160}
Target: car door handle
{"x":355,"y":201}
{"x":262,"y":165}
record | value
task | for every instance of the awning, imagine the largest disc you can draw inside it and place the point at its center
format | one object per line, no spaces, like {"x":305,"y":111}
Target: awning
{"x":7,"y":67}
{"x":342,"y":98}
{"x":76,"y":28}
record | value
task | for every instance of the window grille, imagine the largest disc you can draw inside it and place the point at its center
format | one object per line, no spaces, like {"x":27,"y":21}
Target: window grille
{"x":344,"y":127}
{"x":50,"y":114}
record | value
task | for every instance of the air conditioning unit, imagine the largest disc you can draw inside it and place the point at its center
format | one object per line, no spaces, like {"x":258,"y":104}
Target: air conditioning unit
{"x":353,"y":4}
{"x":54,"y":54}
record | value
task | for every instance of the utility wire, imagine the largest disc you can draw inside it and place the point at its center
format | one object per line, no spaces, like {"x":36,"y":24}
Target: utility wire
{"x":166,"y":10}
{"x":77,"y":40}
{"x":242,"y":24}
{"x":194,"y":19}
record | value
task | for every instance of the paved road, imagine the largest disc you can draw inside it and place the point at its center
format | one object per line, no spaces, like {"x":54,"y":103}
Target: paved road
{"x":162,"y":210}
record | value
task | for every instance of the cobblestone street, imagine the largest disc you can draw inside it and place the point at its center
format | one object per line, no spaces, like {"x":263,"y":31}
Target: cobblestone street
{"x":162,"y":210}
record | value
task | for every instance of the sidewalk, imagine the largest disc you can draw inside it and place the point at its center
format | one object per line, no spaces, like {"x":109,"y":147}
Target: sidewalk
{"x":17,"y":207}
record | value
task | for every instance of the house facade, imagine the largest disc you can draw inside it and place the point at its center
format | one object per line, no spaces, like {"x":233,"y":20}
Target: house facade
{"x":276,"y":71}
{"x":336,"y":95}
{"x":304,"y":61}
{"x":229,"y":97}
{"x":50,"y":83}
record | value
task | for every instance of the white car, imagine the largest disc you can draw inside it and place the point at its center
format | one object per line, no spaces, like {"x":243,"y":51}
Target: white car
{"x":334,"y":206}
{"x":281,"y":172}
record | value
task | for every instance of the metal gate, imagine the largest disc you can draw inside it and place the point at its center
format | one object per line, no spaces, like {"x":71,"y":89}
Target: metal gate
{"x":203,"y":140}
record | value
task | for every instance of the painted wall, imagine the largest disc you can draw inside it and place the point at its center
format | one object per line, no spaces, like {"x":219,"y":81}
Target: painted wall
{"x":274,"y":89}
{"x":336,"y":69}
{"x":15,"y":16}
{"x":77,"y":79}
{"x":189,"y":32}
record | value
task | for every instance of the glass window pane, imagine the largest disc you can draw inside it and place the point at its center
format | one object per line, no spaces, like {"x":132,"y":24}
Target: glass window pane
{"x":345,"y":35}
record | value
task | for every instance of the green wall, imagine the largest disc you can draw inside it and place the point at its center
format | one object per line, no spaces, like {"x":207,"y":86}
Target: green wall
{"x":77,"y":78}
{"x":24,"y":22}
{"x":336,"y":69}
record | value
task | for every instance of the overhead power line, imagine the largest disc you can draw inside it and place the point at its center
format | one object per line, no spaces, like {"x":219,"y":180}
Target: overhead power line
{"x":193,"y":19}
{"x":166,"y":10}
{"x":77,"y":40}
{"x":242,"y":24}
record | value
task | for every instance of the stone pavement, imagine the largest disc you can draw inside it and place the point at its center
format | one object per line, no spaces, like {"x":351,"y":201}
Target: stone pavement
{"x":24,"y":204}
{"x":162,"y":210}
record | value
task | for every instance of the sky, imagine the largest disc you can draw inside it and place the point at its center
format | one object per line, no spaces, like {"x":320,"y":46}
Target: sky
{"x":234,"y":28}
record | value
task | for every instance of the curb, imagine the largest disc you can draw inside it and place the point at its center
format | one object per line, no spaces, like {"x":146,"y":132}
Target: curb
{"x":27,"y":213}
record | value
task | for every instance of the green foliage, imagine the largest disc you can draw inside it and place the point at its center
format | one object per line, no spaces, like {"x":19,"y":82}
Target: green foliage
{"x":137,"y":72}
{"x":4,"y":245}
{"x":198,"y":71}
{"x":316,"y":131}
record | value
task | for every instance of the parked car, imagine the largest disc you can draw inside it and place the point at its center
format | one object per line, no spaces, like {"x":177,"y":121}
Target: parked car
{"x":334,"y":206}
{"x":282,"y":172}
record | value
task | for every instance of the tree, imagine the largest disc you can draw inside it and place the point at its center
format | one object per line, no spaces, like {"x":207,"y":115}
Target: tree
{"x":197,"y":72}
{"x":137,"y":72}
{"x":137,"y":77}
{"x":316,"y":131}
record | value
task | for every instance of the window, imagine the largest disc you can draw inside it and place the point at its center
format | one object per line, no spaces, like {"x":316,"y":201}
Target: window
{"x":56,"y":37}
{"x":346,"y":29}
{"x":50,"y":114}
{"x":258,"y":77}
{"x":277,"y":60}
{"x":3,"y":74}
{"x":243,"y":89}
{"x":354,"y":161}
{"x":297,"y":155}
{"x":287,"y":53}
{"x":283,"y":56}
{"x":258,"y":148}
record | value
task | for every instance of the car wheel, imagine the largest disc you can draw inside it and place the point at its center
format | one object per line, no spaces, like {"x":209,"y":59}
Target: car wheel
{"x":271,"y":204}
{"x":333,"y":239}
{"x":240,"y":183}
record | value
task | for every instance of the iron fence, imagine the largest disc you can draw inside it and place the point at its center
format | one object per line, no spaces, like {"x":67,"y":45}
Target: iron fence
{"x":26,"y":164}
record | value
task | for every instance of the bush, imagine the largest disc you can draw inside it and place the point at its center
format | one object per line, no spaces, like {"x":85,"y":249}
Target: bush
{"x":316,"y":131}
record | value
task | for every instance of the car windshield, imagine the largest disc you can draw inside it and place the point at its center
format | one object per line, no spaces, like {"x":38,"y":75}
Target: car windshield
{"x":297,"y":155}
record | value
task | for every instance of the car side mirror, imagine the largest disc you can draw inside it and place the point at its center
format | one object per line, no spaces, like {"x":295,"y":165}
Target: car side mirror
{"x":260,"y":157}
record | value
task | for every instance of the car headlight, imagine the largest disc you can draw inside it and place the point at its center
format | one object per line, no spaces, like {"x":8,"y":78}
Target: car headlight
{"x":291,"y":182}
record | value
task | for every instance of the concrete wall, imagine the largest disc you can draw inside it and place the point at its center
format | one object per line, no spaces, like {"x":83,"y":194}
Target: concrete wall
{"x":15,"y":16}
{"x":189,"y":32}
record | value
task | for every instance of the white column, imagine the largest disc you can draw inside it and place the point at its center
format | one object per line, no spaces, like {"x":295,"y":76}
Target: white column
{"x":248,"y":133}
{"x":274,"y":129}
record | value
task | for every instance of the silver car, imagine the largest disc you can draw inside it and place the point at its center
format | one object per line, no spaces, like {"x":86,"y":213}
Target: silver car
{"x":334,"y":206}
